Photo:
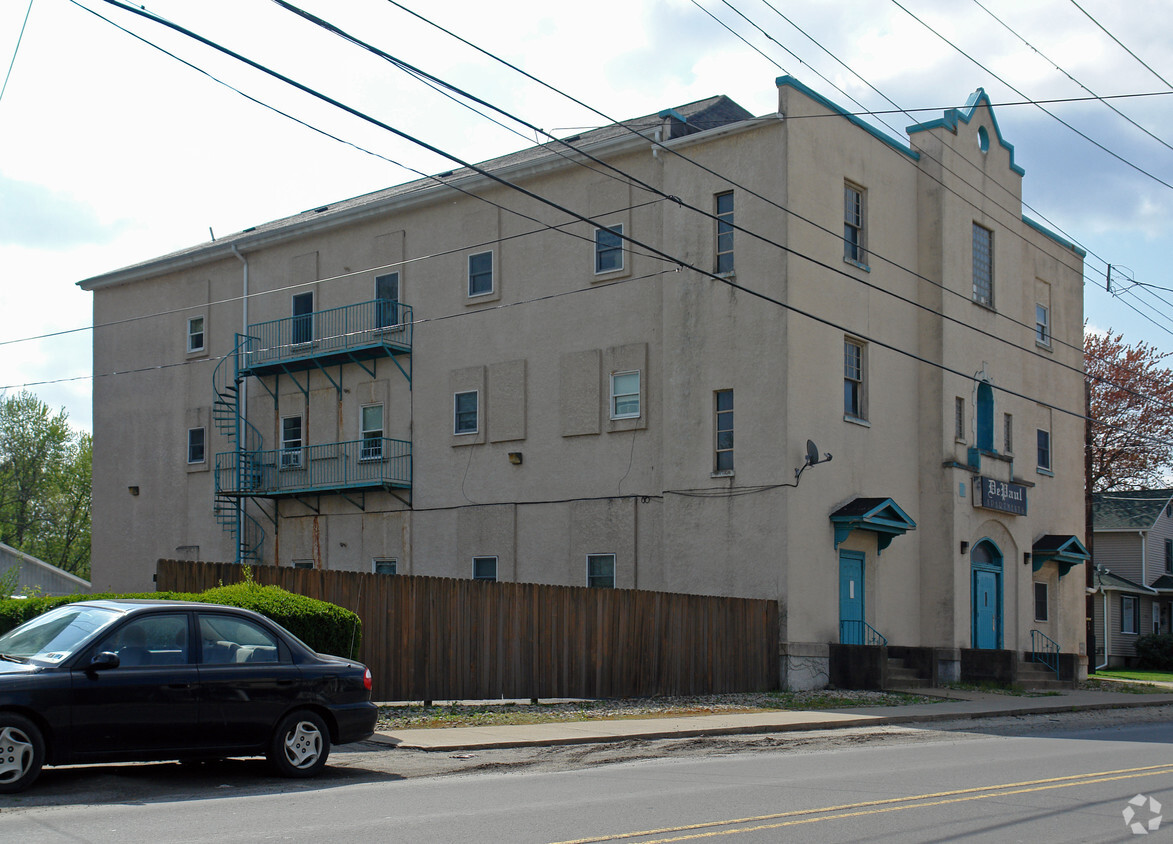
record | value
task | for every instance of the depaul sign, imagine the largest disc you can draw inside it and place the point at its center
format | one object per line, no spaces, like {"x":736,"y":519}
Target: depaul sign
{"x":1000,"y":495}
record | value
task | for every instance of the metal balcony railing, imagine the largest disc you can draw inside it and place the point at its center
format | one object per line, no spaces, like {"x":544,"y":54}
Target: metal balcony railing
{"x":381,"y":324}
{"x":333,"y":467}
{"x":859,"y":633}
{"x":1044,"y":650}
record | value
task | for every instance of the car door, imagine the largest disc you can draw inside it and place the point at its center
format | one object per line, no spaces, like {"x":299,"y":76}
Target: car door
{"x":146,"y":706}
{"x":247,"y":680}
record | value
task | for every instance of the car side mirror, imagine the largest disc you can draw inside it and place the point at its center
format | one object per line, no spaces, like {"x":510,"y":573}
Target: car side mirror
{"x":104,"y":660}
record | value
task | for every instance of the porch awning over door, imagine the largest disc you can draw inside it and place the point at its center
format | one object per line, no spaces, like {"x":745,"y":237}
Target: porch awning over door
{"x":1066,"y":551}
{"x":882,"y":516}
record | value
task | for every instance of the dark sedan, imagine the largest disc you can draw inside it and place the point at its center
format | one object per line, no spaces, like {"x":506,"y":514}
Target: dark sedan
{"x":108,"y":681}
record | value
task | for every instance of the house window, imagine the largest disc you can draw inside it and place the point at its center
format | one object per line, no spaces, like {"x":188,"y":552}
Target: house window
{"x":1044,"y":450}
{"x":303,"y":318}
{"x":724,"y":429}
{"x":1169,"y":556}
{"x":372,"y":432}
{"x":625,"y":395}
{"x":195,"y":445}
{"x":484,"y":568}
{"x":609,"y":249}
{"x":465,"y":412}
{"x":725,"y":232}
{"x":601,"y":570}
{"x":195,"y":334}
{"x":480,"y":274}
{"x":853,"y":231}
{"x":303,"y":564}
{"x":985,"y":416}
{"x":1008,"y":433}
{"x":291,"y":442}
{"x":386,"y":300}
{"x":1129,"y":614}
{"x":853,"y":380}
{"x":1040,"y":601}
{"x":1042,"y":325}
{"x":983,"y":266}
{"x":384,"y":565}
{"x":959,"y":419}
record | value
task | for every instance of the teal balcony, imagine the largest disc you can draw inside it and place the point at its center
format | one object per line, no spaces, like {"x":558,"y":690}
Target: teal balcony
{"x":353,"y":333}
{"x":376,"y":463}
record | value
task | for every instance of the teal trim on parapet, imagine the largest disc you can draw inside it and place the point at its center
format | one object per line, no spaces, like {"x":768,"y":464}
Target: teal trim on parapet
{"x":900,"y":146}
{"x":1043,"y":230}
{"x":954,"y":115}
{"x":671,"y":112}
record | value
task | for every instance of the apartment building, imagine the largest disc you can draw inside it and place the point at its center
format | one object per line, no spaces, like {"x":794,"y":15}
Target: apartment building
{"x":786,"y":356}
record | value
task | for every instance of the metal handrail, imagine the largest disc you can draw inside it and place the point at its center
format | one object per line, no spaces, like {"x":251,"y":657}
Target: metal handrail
{"x":1044,"y":650}
{"x":380,"y":322}
{"x":858,"y":632}
{"x":356,"y":464}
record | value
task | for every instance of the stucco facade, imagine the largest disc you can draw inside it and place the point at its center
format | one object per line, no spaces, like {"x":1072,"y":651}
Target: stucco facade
{"x":654,"y":407}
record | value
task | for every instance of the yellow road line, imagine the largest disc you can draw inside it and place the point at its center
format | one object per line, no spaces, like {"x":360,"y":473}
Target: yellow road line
{"x":883,"y":806}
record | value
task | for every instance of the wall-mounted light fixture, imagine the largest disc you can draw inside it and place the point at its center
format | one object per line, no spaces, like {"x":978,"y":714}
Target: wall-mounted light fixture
{"x":1026,"y":558}
{"x":133,"y":490}
{"x":964,"y":547}
{"x":515,"y":458}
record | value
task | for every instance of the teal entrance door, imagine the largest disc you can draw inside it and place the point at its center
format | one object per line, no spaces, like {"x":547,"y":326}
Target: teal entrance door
{"x":985,"y":609}
{"x":851,"y":597}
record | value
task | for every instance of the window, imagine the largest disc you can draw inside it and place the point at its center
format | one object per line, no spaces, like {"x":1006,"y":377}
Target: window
{"x":195,"y":334}
{"x":1044,"y":440}
{"x":465,"y":412}
{"x":608,"y":249}
{"x":372,"y":432}
{"x":1129,"y":614}
{"x":303,"y":564}
{"x":234,"y":641}
{"x":384,"y":565}
{"x":601,"y":570}
{"x":853,"y":380}
{"x":484,"y":568}
{"x":1040,"y":601}
{"x":291,"y":442}
{"x":150,"y":640}
{"x":303,"y":318}
{"x":959,"y":419}
{"x":1042,"y":325}
{"x":480,"y":274}
{"x":195,"y":445}
{"x":1169,"y":556}
{"x":853,"y":244}
{"x":985,"y":416}
{"x":387,"y":300}
{"x":624,"y":395}
{"x":983,"y":266}
{"x":724,"y":430}
{"x":1007,"y":433}
{"x":725,"y":232}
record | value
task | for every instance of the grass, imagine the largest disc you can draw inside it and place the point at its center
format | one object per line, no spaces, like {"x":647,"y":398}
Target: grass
{"x":1000,"y":689}
{"x":505,"y":714}
{"x":1133,"y":674}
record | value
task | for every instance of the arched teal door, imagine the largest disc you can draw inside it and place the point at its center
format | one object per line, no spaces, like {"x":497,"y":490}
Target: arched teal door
{"x":986,"y":567}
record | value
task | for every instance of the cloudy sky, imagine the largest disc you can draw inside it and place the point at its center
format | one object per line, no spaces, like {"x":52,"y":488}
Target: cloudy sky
{"x":112,"y":151}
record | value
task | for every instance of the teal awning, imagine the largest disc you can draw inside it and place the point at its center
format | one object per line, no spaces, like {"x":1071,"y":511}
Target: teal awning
{"x":882,"y":516}
{"x":1066,"y":551}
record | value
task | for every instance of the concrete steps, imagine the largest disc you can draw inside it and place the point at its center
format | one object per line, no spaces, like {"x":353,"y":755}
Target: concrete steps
{"x":901,"y":676}
{"x":1036,"y":676}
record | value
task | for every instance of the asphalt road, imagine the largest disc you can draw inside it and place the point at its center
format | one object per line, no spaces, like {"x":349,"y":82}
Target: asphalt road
{"x":1039,"y":780}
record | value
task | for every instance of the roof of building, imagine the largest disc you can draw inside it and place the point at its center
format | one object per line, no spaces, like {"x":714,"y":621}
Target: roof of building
{"x":1115,"y":583}
{"x":691,"y":118}
{"x":1128,"y":509}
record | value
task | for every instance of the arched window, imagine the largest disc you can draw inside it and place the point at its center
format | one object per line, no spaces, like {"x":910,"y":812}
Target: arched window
{"x":985,"y":416}
{"x":986,"y":555}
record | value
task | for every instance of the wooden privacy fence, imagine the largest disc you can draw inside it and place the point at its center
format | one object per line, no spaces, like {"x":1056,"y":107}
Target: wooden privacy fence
{"x":438,"y":638}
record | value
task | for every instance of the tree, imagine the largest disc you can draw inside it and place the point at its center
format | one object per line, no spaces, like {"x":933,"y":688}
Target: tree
{"x":45,"y":481}
{"x":1131,"y":411}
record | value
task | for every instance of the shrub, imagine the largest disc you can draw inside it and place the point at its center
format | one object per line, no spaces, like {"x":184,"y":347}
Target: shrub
{"x":1155,"y":651}
{"x":325,"y":627}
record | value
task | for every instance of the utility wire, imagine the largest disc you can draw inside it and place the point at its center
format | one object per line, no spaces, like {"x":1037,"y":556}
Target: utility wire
{"x":16,"y":49}
{"x":1142,"y":62}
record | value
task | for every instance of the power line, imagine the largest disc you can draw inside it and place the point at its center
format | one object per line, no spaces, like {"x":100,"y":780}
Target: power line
{"x":1122,"y":46}
{"x":16,"y":49}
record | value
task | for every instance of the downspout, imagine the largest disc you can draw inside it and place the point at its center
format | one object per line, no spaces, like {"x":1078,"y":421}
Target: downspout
{"x":1103,"y":592}
{"x":241,"y":409}
{"x":1143,"y":561}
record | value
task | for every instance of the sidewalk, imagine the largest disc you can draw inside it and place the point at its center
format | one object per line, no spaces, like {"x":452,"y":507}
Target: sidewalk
{"x":956,"y":705}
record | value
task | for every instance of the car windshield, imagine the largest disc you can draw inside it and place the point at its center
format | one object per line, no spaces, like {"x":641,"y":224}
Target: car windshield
{"x":55,"y":635}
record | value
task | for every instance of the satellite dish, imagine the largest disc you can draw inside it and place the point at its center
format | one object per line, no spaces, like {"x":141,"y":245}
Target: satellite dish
{"x":812,"y":453}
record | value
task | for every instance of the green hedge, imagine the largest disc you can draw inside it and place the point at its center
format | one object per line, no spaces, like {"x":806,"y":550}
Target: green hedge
{"x":325,"y":627}
{"x":1155,"y":651}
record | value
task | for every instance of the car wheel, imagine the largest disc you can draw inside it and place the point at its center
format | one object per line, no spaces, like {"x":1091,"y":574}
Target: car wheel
{"x":300,"y":744}
{"x":22,"y":752}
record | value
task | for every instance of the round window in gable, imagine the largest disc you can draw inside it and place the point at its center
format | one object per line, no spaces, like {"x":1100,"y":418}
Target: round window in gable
{"x":983,"y":139}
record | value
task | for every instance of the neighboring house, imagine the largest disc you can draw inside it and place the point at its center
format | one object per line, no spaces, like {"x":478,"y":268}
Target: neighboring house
{"x":38,"y":577}
{"x":1133,"y":555}
{"x":448,"y":378}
